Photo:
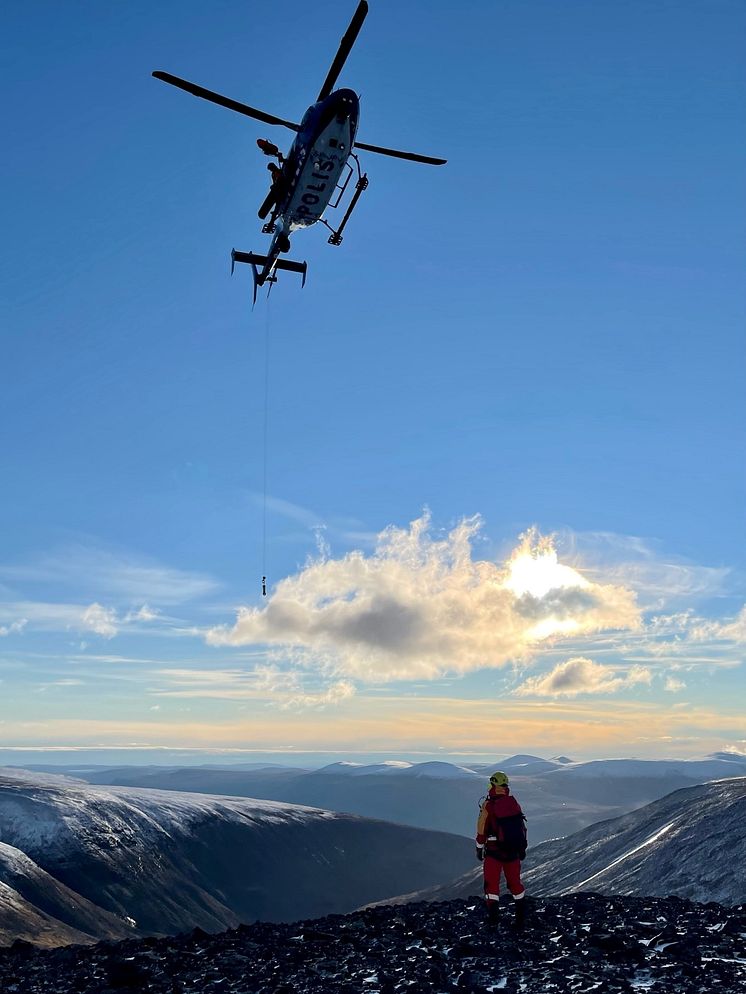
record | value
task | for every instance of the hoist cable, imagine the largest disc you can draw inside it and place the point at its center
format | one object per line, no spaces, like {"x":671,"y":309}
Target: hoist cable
{"x":265,"y":450}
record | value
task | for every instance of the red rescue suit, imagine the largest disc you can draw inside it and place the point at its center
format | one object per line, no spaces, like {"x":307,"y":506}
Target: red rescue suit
{"x":498,"y":855}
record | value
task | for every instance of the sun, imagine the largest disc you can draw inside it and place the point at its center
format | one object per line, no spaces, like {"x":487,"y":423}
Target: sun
{"x":534,"y":570}
{"x":537,"y":571}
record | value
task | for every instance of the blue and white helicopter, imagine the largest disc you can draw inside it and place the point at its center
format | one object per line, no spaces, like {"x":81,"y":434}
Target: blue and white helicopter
{"x":313,"y":172}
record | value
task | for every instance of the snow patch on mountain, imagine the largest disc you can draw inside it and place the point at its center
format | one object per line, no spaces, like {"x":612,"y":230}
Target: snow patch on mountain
{"x":648,"y":842}
{"x":441,"y":771}
{"x":361,"y":769}
{"x":39,"y":813}
{"x":694,"y":769}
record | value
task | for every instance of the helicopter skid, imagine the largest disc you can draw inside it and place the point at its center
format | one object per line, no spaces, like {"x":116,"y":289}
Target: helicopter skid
{"x":336,"y":235}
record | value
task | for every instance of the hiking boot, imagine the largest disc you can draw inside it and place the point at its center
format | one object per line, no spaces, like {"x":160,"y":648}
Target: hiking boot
{"x":493,"y":913}
{"x":520,"y":913}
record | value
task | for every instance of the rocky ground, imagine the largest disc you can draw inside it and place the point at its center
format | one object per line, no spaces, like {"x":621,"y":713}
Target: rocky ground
{"x":578,"y":943}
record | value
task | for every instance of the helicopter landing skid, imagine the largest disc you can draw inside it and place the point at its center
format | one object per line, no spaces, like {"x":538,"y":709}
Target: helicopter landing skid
{"x":362,"y":184}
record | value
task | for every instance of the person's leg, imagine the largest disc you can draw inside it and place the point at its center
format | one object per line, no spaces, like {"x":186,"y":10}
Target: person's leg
{"x":516,"y":888}
{"x":492,"y":871}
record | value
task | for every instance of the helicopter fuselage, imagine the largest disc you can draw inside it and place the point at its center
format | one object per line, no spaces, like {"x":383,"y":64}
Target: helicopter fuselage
{"x":316,"y":159}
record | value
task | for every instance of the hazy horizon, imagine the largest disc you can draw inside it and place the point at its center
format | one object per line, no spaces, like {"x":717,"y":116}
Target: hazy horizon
{"x":310,"y":760}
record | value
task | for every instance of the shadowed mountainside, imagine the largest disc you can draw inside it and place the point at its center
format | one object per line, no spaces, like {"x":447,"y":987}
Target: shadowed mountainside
{"x":37,"y":908}
{"x":163,"y":862}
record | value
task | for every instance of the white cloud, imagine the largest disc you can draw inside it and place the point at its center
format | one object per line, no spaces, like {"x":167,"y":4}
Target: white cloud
{"x":346,"y":529}
{"x":44,"y":615}
{"x":95,"y":617}
{"x":287,"y":509}
{"x":582,"y":676}
{"x":635,"y":563}
{"x":144,"y":613}
{"x":13,"y":628}
{"x":283,"y":689}
{"x":101,"y":620}
{"x":735,"y":631}
{"x":259,"y":683}
{"x":673,"y":685}
{"x":88,"y":570}
{"x":686,"y":640}
{"x":419,"y":606}
{"x":338,"y":692}
{"x":727,"y":631}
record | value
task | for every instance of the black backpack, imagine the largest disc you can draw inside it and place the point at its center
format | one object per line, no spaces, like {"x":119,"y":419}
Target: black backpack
{"x":511,"y":835}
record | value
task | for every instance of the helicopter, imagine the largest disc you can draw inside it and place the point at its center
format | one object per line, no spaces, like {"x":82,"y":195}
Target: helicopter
{"x":316,"y":172}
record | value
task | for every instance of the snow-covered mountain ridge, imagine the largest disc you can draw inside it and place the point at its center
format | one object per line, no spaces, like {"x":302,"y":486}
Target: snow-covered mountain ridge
{"x":691,"y":843}
{"x":558,"y":795}
{"x":39,"y":812}
{"x":162,"y":861}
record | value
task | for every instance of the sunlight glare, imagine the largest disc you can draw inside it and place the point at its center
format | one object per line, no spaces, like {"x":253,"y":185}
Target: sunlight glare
{"x":537,"y":571}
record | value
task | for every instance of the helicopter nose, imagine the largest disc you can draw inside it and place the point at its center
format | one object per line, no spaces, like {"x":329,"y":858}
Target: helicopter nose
{"x":347,"y":105}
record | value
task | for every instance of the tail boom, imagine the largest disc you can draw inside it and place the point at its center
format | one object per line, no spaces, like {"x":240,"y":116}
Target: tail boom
{"x":269,"y":266}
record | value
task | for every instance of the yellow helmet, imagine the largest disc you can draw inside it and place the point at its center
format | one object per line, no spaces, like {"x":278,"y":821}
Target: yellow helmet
{"x":499,"y":779}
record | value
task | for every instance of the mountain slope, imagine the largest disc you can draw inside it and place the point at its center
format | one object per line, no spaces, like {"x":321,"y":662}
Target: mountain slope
{"x":36,"y":907}
{"x":690,"y":844}
{"x":172,"y":861}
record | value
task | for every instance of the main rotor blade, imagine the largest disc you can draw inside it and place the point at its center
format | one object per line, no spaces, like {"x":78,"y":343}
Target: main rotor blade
{"x":412,"y":156}
{"x":348,"y":40}
{"x":217,"y":98}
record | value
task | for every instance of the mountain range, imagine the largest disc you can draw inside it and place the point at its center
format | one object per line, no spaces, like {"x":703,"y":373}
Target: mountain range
{"x":81,"y":862}
{"x":559,"y":796}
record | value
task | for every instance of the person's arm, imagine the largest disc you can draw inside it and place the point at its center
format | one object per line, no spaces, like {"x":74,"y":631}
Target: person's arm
{"x":481,"y":830}
{"x":525,"y":833}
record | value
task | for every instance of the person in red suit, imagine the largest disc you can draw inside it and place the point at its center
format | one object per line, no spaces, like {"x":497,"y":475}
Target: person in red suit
{"x":501,"y":845}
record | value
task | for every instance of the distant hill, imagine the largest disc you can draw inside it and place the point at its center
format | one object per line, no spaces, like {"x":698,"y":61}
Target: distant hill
{"x":81,"y":861}
{"x":559,"y":796}
{"x":521,"y":765}
{"x":690,"y":844}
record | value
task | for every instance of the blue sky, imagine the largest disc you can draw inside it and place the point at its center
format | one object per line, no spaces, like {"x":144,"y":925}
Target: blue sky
{"x":547,"y":331}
